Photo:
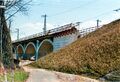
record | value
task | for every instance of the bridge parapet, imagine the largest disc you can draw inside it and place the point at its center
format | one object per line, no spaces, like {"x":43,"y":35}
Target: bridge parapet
{"x":49,"y":32}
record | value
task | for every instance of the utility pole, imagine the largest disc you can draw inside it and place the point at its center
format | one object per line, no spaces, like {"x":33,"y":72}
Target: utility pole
{"x":10,"y":22}
{"x":44,"y":29}
{"x":78,"y":24}
{"x":18,"y":33}
{"x":98,"y":21}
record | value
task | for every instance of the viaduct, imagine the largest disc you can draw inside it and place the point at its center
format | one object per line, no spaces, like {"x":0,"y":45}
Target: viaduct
{"x":39,"y":45}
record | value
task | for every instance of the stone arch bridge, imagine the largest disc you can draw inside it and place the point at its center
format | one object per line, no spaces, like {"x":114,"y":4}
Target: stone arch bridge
{"x":39,"y":45}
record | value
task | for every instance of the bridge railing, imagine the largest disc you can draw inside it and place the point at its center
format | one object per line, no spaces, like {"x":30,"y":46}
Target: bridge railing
{"x":62,"y":28}
{"x":86,"y":31}
{"x":31,"y":36}
{"x":49,"y":32}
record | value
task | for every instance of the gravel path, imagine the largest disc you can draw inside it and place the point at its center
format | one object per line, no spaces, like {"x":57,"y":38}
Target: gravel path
{"x":42,"y":75}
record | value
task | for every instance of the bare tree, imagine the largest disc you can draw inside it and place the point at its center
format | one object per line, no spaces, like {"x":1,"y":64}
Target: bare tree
{"x":12,"y":7}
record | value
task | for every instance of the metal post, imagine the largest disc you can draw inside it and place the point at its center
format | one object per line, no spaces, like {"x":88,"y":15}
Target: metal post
{"x":98,"y":21}
{"x":78,"y":24}
{"x":44,"y":29}
{"x":18,"y":33}
{"x":10,"y":21}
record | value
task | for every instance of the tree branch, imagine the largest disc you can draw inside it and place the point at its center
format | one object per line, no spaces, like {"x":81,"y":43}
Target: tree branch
{"x":18,"y":10}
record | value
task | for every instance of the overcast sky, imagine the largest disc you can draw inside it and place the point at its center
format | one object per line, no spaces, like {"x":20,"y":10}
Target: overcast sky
{"x":60,"y":12}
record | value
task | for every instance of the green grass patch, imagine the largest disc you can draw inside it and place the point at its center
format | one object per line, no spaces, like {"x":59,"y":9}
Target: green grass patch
{"x":18,"y":75}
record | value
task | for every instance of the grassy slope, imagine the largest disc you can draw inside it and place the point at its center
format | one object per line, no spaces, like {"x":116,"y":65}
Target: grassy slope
{"x":95,"y":54}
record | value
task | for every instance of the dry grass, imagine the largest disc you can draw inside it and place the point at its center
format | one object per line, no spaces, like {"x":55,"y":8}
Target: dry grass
{"x":95,"y":54}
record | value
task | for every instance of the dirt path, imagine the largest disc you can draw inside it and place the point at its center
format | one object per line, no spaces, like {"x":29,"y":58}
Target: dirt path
{"x":42,"y":75}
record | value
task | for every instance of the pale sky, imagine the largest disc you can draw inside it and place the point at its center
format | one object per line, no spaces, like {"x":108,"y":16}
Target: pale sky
{"x":60,"y":12}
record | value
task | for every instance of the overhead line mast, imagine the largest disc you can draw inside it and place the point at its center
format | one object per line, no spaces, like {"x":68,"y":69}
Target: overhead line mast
{"x":44,"y":29}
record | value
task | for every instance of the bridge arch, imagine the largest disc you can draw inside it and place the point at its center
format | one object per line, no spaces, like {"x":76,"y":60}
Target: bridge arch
{"x":30,"y":50}
{"x":20,"y":51}
{"x":45,"y":47}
